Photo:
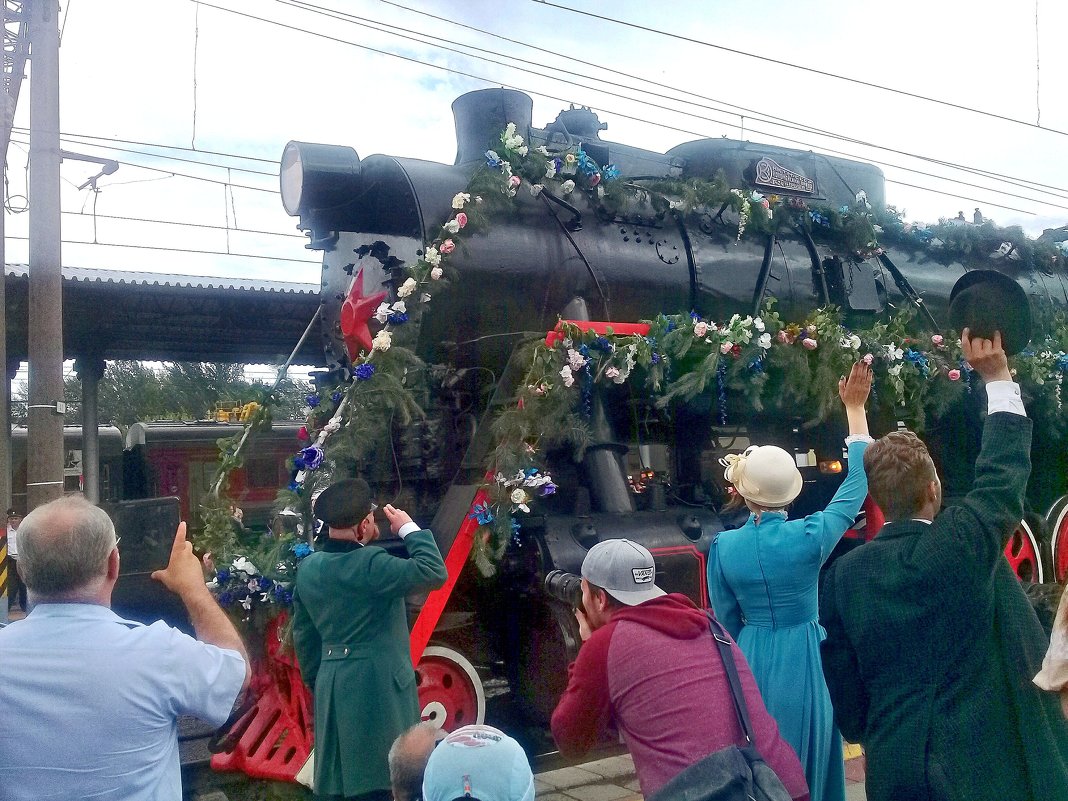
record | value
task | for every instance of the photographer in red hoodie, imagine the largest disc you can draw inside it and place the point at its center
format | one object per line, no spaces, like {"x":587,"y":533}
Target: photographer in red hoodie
{"x":649,"y":666}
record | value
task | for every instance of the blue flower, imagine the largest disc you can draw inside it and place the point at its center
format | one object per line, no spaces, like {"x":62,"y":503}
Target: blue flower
{"x":226,"y":598}
{"x":294,"y":486}
{"x":1062,"y":363}
{"x":611,"y":172}
{"x":298,"y":463}
{"x":530,"y":472}
{"x":584,"y":350}
{"x":548,"y":489}
{"x":492,"y":159}
{"x":694,"y":316}
{"x":604,"y":344}
{"x":515,"y":525}
{"x":336,"y":397}
{"x":481,"y":512}
{"x":313,"y":400}
{"x":223,"y":576}
{"x":818,"y":218}
{"x":397,"y":318}
{"x":670,"y":327}
{"x":265,"y":583}
{"x":655,"y":358}
{"x":300,"y":549}
{"x":587,"y":165}
{"x":365,"y":371}
{"x":312,"y":457}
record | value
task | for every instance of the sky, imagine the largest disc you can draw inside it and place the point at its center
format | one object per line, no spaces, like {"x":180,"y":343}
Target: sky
{"x":199,"y":77}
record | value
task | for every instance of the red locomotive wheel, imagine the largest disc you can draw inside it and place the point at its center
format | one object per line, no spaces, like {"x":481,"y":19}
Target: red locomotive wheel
{"x":1024,"y":554}
{"x":1057,"y":520}
{"x":450,"y":690}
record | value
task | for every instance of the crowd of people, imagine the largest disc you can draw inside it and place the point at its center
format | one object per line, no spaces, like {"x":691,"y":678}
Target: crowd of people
{"x":920,"y":645}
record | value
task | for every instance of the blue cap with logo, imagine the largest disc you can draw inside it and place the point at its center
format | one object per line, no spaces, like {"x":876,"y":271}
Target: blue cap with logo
{"x":478,"y":762}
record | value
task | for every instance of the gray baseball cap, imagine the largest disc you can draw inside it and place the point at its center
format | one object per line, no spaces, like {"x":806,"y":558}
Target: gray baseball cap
{"x":623,"y":569}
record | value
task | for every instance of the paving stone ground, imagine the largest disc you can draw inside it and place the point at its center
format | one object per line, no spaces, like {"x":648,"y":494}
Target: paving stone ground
{"x":614,"y":779}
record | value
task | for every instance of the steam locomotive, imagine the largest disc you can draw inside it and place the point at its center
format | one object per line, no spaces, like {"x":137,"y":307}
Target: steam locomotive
{"x":647,"y":476}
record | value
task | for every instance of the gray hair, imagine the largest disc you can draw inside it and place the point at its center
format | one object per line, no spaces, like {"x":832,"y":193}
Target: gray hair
{"x":64,"y":546}
{"x":407,"y":760}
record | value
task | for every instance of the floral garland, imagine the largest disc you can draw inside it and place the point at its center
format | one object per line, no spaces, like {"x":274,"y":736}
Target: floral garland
{"x":754,"y":362}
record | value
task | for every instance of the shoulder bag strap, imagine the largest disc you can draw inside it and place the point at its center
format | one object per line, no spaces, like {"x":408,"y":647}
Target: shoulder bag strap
{"x":723,"y":643}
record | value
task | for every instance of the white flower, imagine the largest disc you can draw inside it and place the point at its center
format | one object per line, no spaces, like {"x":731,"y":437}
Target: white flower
{"x":536,"y":189}
{"x":459,"y":199}
{"x":432,"y":257}
{"x":332,"y":427}
{"x":745,"y":335}
{"x":894,"y":354}
{"x":567,"y":187}
{"x":509,"y":131}
{"x":242,"y":564}
{"x":399,"y":307}
{"x":382,"y":341}
{"x":382,"y":313}
{"x":764,"y":341}
{"x":758,"y":324}
{"x":565,"y":374}
{"x":452,"y":226}
{"x":542,"y":150}
{"x":520,"y":498}
{"x":896,"y":369}
{"x":253,"y":585}
{"x":612,"y":372}
{"x":726,"y":346}
{"x":536,"y":481}
{"x":700,"y":329}
{"x":408,"y":287}
{"x":246,"y":604}
{"x":576,"y":360}
{"x":435,"y":274}
{"x":851,"y":342}
{"x":522,"y":149}
{"x":425,"y":297}
{"x":550,"y":169}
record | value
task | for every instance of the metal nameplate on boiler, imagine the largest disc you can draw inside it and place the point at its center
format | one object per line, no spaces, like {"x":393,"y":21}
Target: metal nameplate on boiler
{"x":772,"y":174}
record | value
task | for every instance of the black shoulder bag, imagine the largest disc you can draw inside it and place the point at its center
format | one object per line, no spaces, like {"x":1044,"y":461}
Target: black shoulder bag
{"x":732,"y":773}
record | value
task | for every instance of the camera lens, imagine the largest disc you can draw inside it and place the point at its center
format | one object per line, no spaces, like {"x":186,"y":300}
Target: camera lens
{"x":564,"y":587}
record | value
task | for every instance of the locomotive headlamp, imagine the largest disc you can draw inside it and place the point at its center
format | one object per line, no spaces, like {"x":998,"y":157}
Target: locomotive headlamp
{"x":317,"y":177}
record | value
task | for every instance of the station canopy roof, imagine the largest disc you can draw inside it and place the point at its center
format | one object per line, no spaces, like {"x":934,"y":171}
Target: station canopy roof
{"x":117,"y":314}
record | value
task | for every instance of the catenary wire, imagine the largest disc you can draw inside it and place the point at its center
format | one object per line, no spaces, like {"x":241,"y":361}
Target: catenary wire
{"x":352,"y":19}
{"x":554,"y":97}
{"x":175,"y":250}
{"x":742,"y":110}
{"x":813,"y":70}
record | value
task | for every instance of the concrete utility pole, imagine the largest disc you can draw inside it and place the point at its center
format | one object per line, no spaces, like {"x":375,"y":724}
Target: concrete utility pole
{"x":45,"y":417}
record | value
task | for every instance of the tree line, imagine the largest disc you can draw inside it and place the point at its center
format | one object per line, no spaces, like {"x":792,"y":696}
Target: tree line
{"x":133,"y":391}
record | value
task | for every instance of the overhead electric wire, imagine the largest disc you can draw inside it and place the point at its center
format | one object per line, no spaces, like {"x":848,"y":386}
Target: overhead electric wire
{"x":824,"y":73}
{"x":176,"y":250}
{"x":763,"y":116}
{"x":435,"y":42}
{"x":564,"y":100}
{"x":182,"y":224}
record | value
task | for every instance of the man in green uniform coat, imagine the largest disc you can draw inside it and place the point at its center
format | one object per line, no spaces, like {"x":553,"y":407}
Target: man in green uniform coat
{"x":350,"y":632}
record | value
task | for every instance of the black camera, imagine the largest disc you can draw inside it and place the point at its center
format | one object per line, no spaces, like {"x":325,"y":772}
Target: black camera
{"x":564,"y":587}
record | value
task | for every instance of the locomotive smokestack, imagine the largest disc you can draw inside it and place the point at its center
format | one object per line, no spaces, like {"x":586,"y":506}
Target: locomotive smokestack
{"x":482,"y":115}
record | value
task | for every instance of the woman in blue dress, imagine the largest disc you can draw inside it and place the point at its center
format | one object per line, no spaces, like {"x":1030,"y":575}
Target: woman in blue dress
{"x":762,"y":581}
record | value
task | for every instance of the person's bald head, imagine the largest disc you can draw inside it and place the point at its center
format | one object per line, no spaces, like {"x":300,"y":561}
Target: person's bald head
{"x":64,"y":548}
{"x":407,"y":760}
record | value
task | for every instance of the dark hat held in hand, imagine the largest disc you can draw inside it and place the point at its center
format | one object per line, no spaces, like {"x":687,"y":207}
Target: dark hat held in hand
{"x":986,"y":301}
{"x":344,"y":503}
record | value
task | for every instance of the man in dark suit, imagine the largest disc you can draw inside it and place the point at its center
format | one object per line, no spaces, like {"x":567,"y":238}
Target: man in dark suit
{"x":931,"y":643}
{"x":350,"y":633}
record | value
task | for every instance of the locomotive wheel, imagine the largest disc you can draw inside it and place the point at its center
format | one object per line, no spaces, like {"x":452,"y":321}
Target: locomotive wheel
{"x":1057,"y":520}
{"x":1025,"y":554}
{"x":450,"y":690}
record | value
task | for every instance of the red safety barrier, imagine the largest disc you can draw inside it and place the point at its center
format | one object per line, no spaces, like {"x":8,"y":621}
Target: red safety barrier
{"x":557,"y":334}
{"x":274,"y":737}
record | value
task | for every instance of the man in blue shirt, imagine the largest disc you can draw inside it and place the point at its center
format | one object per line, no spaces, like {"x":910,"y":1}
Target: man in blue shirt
{"x":94,"y":698}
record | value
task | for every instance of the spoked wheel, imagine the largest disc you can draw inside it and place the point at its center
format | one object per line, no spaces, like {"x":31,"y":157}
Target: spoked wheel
{"x":450,"y":690}
{"x":1024,"y":554}
{"x":1057,"y":520}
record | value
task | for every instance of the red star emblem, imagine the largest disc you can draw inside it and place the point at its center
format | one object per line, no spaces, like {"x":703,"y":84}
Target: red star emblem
{"x":356,"y":313}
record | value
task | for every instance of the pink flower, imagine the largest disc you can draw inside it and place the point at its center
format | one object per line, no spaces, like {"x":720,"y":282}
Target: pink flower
{"x":595,"y":179}
{"x":937,"y":340}
{"x":611,"y":372}
{"x":811,"y":330}
{"x":784,"y":338}
{"x":514,"y":181}
{"x":868,"y":359}
{"x":302,"y":433}
{"x":700,"y":329}
{"x":447,"y":247}
{"x":954,"y":375}
{"x":809,"y":343}
{"x":461,"y":219}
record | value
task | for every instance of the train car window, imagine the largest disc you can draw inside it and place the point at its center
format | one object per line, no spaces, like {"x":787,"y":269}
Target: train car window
{"x":262,"y":473}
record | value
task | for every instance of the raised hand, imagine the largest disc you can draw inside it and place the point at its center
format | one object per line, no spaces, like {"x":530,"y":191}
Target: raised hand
{"x":184,"y":573}
{"x":854,"y":389}
{"x":986,"y":356}
{"x":396,"y":517}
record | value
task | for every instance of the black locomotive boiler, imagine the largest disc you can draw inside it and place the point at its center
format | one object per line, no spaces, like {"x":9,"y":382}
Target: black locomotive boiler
{"x":644,"y":477}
